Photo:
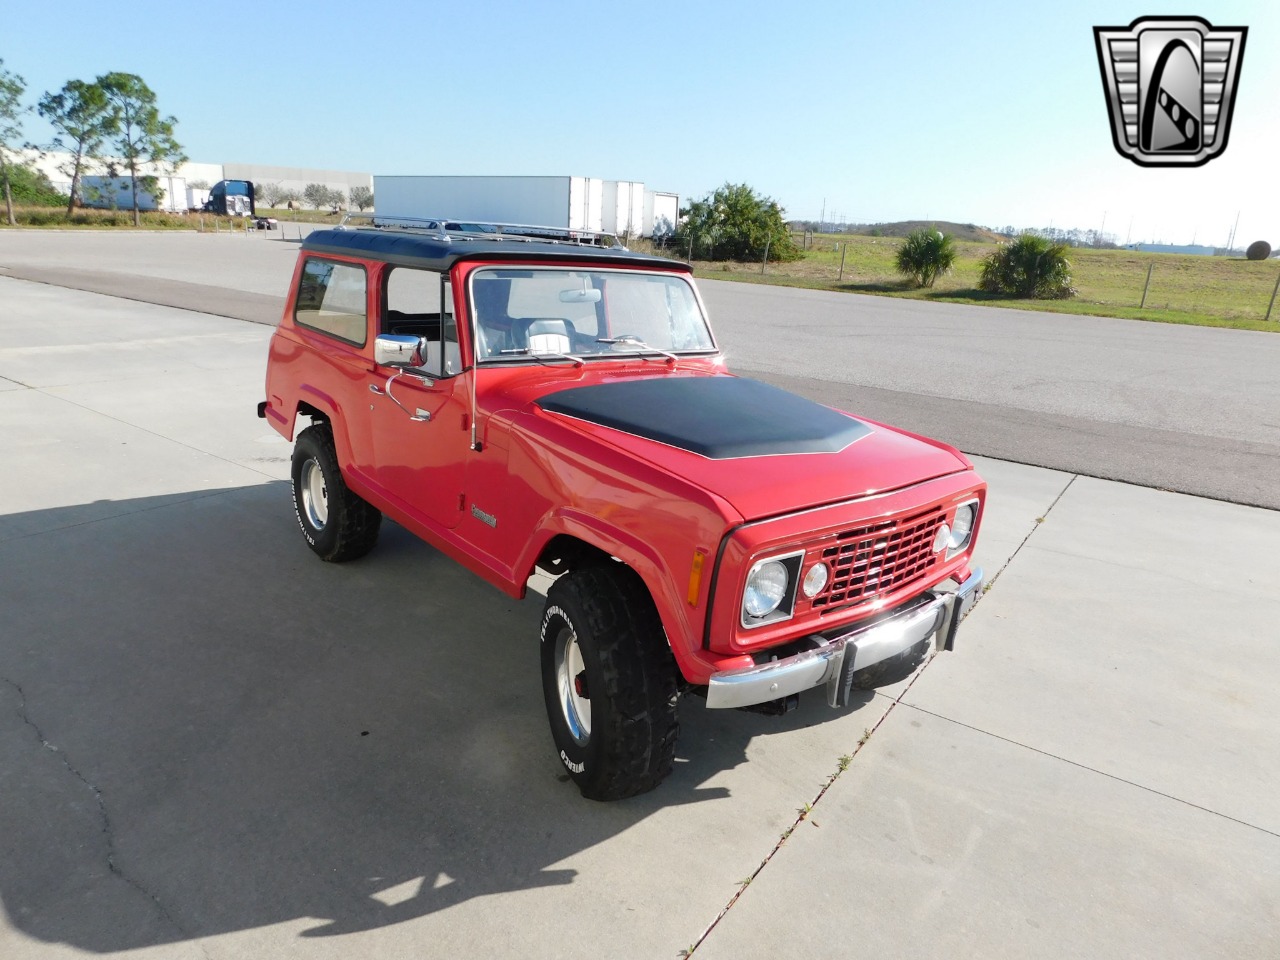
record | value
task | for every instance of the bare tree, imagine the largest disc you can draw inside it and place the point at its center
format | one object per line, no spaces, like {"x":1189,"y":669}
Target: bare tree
{"x":361,"y":197}
{"x":270,"y":193}
{"x":316,"y":194}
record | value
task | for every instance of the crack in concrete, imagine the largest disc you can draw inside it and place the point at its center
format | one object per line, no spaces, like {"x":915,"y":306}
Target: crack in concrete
{"x":104,"y":817}
{"x":847,"y":761}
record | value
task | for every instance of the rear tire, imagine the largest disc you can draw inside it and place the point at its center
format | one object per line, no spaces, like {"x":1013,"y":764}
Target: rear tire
{"x":609,"y":681}
{"x":337,"y":524}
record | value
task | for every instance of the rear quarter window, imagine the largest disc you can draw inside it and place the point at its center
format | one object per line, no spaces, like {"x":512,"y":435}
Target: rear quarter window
{"x":332,"y":299}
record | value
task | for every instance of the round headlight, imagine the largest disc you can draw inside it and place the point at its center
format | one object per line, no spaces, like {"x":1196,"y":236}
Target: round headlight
{"x":766,"y":588}
{"x":962,"y":527}
{"x":814,"y":580}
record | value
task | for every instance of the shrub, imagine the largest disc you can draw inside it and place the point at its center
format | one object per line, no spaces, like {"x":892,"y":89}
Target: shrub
{"x":58,"y":217}
{"x":31,"y":188}
{"x":925,"y":255}
{"x":736,"y":223}
{"x":1030,"y":267}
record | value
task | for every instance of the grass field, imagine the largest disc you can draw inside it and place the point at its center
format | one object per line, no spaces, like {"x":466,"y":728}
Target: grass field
{"x":1207,"y":291}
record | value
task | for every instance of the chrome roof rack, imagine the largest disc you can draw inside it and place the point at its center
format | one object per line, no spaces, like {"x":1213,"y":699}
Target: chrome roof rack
{"x":446,"y":229}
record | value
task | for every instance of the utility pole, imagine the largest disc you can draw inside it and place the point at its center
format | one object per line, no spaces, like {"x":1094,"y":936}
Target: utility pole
{"x":823,"y":218}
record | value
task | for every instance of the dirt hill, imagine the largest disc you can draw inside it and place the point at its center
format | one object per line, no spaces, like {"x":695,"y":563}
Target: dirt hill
{"x":962,"y":231}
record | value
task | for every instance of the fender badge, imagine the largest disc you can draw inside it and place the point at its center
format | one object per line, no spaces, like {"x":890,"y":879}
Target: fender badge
{"x":483,"y":517}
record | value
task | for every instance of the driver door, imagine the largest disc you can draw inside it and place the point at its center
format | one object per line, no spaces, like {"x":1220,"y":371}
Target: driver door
{"x":420,"y":416}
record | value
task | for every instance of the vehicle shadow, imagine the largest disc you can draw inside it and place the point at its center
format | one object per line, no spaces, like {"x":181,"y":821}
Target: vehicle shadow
{"x":204,"y":729}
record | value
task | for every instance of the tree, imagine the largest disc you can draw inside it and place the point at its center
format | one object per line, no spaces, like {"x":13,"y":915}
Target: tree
{"x":268,"y":193}
{"x":142,"y":136}
{"x":316,"y":194}
{"x":361,"y":197}
{"x":11,"y":111}
{"x":1030,"y":266}
{"x":925,"y":255}
{"x":83,"y":120}
{"x":736,"y":223}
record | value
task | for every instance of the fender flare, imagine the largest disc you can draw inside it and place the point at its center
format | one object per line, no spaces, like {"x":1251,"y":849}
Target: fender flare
{"x":332,"y":412}
{"x":683,"y":635}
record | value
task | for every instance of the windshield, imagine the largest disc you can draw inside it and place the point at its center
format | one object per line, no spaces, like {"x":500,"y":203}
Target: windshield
{"x":529,"y":313}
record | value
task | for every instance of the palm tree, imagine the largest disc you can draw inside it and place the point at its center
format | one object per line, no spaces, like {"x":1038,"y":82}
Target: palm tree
{"x":925,"y":255}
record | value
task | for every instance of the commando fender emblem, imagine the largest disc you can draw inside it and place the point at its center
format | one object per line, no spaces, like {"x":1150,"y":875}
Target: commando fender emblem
{"x":1170,"y":84}
{"x":483,"y":517}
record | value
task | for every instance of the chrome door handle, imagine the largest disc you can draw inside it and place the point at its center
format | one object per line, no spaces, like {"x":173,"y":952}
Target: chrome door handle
{"x":374,"y":388}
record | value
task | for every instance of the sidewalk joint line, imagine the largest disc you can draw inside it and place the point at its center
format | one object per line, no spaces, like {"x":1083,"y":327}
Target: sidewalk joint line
{"x":1101,"y":773}
{"x":152,"y":433}
{"x":846,"y":762}
{"x":804,"y":813}
{"x":1031,"y":533}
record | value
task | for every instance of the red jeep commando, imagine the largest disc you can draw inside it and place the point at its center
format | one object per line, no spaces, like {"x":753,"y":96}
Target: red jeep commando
{"x":526,"y":399}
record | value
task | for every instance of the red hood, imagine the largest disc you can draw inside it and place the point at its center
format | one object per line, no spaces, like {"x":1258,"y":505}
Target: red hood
{"x":862,"y":458}
{"x":885,"y":459}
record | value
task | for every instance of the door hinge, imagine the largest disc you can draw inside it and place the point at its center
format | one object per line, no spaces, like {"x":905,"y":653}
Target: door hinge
{"x":462,"y":502}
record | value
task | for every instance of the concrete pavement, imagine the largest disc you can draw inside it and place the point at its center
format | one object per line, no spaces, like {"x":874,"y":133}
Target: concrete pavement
{"x":215,"y":745}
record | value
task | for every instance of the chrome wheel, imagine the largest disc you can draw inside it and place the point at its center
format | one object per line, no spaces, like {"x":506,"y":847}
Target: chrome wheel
{"x":315,"y":495}
{"x":571,"y":683}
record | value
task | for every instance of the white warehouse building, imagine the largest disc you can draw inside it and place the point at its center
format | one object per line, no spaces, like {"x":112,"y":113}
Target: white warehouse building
{"x":54,"y":164}
{"x":622,"y":207}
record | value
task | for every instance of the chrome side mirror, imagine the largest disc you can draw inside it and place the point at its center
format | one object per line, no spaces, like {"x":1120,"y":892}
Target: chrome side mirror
{"x":399,"y":350}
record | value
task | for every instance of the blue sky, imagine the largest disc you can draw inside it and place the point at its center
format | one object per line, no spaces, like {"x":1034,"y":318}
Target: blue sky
{"x":990,"y":113}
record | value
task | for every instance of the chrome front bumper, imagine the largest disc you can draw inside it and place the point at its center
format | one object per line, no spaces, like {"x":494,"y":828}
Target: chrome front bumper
{"x":833,"y":661}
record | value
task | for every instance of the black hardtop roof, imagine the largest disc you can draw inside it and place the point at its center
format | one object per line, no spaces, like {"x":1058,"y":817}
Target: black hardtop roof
{"x":441,"y":253}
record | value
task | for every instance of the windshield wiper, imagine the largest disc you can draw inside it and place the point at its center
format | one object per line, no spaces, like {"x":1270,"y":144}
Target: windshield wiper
{"x":540,"y":357}
{"x":628,"y":338}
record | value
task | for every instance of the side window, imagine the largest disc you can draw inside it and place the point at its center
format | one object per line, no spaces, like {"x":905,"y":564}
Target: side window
{"x":419,"y":303}
{"x":331,"y":299}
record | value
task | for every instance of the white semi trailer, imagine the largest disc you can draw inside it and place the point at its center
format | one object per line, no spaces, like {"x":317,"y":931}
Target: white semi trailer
{"x":116,"y":193}
{"x":574,"y":203}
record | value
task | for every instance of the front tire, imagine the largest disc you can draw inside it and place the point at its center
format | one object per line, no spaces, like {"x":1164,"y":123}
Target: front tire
{"x":338,"y":524}
{"x":609,"y":681}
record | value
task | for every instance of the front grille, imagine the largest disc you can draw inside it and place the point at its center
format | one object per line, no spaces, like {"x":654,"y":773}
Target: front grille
{"x":881,"y":557}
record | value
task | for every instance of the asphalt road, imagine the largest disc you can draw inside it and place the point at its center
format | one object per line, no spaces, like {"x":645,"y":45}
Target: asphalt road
{"x":1189,"y":409}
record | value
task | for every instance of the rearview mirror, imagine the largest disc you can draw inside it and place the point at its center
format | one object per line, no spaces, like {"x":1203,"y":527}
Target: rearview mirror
{"x":399,"y":350}
{"x":579,"y":296}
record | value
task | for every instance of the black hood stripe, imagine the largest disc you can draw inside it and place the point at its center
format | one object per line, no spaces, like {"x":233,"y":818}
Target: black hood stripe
{"x":717,"y":417}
